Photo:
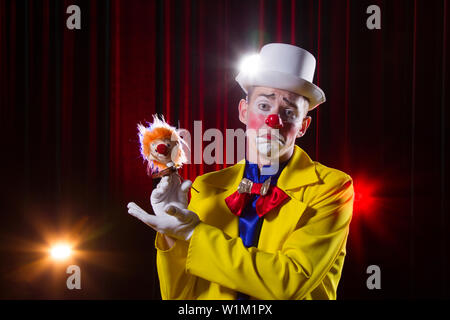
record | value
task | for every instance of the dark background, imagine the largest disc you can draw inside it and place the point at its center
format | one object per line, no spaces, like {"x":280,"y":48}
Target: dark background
{"x":71,"y":99}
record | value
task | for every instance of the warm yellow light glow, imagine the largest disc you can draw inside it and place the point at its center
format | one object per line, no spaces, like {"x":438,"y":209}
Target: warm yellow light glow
{"x":60,"y":251}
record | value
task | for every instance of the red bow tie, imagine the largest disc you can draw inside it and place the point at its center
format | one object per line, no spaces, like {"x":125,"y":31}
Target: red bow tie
{"x":270,"y":197}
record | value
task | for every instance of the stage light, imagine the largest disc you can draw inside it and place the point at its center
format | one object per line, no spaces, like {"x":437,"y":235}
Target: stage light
{"x":365,"y":195}
{"x":60,"y":251}
{"x":250,"y":64}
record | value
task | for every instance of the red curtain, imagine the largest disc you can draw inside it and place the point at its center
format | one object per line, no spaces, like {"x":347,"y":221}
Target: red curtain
{"x":71,"y":100}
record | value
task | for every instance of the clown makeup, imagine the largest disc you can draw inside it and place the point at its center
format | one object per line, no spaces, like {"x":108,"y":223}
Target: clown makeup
{"x":161,"y":150}
{"x":274,"y":119}
{"x":271,"y":103}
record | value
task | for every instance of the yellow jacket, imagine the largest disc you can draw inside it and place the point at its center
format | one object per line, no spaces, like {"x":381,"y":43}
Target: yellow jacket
{"x":301,"y":248}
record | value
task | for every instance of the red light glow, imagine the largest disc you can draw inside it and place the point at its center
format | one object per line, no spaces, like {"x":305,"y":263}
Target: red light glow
{"x":365,"y":200}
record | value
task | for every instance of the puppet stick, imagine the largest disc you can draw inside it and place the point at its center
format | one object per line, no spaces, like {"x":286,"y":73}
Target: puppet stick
{"x":183,"y":180}
{"x":191,"y":186}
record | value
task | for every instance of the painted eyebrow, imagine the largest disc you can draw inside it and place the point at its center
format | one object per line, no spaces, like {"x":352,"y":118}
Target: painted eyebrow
{"x":272,"y":96}
{"x":269,"y":96}
{"x":290,"y":103}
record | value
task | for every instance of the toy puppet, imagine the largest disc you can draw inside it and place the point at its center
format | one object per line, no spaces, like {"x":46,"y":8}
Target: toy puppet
{"x":162,"y":147}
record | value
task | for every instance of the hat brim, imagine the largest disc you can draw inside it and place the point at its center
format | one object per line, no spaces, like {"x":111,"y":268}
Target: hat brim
{"x":283,"y":81}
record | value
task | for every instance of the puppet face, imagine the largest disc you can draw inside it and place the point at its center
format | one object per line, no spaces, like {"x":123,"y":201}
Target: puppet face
{"x":161,"y":146}
{"x":162,"y":150}
{"x":274,"y":119}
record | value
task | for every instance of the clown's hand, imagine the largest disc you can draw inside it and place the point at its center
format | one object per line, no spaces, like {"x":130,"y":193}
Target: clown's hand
{"x":170,"y":190}
{"x":176,"y":222}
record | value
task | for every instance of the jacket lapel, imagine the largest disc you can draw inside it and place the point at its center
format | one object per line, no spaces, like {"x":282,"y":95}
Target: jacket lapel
{"x":279,"y":224}
{"x":300,"y":171}
{"x":227,"y":179}
{"x":225,"y":182}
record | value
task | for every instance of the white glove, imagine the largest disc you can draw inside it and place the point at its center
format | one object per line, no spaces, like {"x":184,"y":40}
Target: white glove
{"x":169,"y":202}
{"x":170,"y":190}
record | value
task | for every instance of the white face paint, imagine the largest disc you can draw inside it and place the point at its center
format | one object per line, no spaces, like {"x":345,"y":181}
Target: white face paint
{"x":269,"y":142}
{"x":265,"y":141}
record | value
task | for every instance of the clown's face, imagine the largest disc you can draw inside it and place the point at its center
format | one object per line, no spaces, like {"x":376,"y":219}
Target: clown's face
{"x":161,"y":150}
{"x":274,"y":119}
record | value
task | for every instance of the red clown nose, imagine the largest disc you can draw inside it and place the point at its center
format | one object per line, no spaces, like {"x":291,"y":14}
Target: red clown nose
{"x":274,"y":121}
{"x":162,"y":148}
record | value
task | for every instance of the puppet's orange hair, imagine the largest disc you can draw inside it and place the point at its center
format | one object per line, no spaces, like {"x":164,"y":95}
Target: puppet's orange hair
{"x":151,"y":135}
{"x":159,"y":129}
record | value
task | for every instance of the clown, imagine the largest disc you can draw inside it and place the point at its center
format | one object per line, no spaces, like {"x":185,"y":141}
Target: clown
{"x":274,"y":225}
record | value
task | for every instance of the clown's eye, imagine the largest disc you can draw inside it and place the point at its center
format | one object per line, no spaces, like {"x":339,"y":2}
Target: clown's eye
{"x":289,"y":112}
{"x":264,"y":106}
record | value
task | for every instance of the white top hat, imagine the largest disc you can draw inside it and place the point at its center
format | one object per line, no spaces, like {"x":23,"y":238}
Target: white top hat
{"x":282,"y":66}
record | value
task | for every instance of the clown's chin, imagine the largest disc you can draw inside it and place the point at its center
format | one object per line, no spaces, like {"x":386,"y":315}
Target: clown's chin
{"x":268,"y":149}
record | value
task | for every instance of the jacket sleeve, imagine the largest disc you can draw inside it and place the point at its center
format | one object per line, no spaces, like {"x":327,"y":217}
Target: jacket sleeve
{"x":294,"y":271}
{"x":174,"y":282}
